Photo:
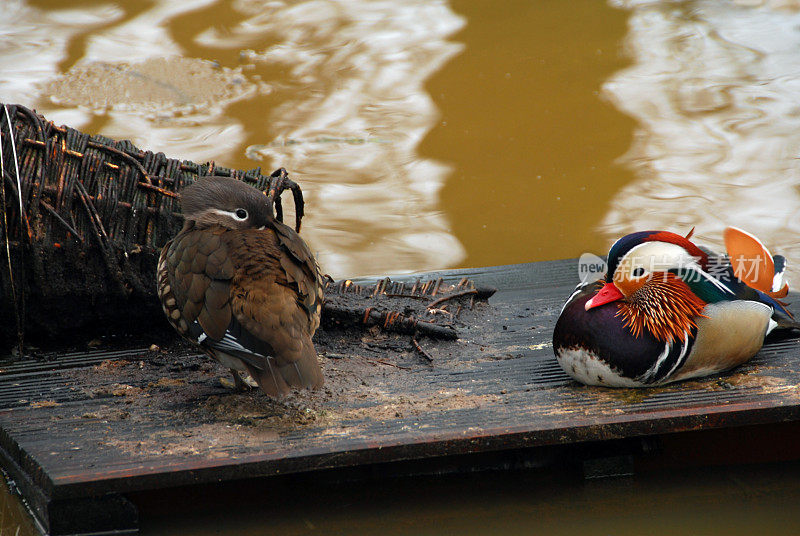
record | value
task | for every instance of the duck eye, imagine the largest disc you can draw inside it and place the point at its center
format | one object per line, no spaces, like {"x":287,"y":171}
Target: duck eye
{"x":241,"y":214}
{"x":638,"y":272}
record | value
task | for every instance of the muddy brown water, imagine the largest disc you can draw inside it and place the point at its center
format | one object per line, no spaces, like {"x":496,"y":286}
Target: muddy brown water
{"x":432,"y":134}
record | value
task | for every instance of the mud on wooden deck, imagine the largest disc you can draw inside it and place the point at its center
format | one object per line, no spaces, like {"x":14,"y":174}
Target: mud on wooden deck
{"x":97,"y":424}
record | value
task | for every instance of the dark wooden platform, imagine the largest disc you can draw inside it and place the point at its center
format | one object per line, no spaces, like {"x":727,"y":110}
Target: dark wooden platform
{"x":79,"y":431}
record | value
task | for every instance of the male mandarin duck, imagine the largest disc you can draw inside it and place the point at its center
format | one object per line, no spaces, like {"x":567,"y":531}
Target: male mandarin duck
{"x":243,"y":286}
{"x":669,"y":310}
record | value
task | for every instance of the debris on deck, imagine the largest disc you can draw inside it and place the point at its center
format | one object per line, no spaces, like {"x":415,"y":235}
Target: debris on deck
{"x":91,"y":426}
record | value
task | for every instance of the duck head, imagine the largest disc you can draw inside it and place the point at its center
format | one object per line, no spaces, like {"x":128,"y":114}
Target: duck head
{"x":647,"y":273}
{"x":644,"y":257}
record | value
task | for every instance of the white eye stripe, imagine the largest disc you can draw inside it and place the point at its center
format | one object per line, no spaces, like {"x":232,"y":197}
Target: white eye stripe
{"x":230,"y":214}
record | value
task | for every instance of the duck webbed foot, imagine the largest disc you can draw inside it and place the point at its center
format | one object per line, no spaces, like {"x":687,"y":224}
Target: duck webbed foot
{"x":239,"y":383}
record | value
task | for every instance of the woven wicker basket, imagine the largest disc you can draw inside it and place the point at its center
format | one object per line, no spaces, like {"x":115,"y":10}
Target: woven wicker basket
{"x":80,"y":257}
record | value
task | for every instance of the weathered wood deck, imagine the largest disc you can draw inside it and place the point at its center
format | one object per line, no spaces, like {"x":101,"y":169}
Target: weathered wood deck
{"x":80,"y":430}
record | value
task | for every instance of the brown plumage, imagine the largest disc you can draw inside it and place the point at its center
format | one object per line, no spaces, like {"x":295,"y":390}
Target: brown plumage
{"x":243,"y":286}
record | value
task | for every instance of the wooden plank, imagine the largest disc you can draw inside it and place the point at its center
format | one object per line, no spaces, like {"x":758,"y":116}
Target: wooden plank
{"x":87,"y":425}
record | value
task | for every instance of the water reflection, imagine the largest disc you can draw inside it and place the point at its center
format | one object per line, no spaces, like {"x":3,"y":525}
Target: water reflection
{"x":72,"y":65}
{"x":355,"y":113}
{"x":14,"y":519}
{"x":333,"y":90}
{"x":712,"y":502}
{"x":33,"y":42}
{"x":714,"y":87}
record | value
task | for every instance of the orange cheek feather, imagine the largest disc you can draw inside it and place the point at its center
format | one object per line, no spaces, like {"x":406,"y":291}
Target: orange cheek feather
{"x":629,"y":286}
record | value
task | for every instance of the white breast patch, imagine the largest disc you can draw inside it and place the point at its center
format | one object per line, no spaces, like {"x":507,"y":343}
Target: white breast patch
{"x":586,"y":368}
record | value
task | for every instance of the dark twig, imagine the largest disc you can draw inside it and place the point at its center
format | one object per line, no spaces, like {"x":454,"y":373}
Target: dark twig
{"x":421,"y":350}
{"x":62,"y":221}
{"x":278,"y":183}
{"x":124,"y":156}
{"x":333,"y":314}
{"x":436,"y":286}
{"x":415,"y":287}
{"x":103,"y":241}
{"x":382,"y":362}
{"x":451,"y":297}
